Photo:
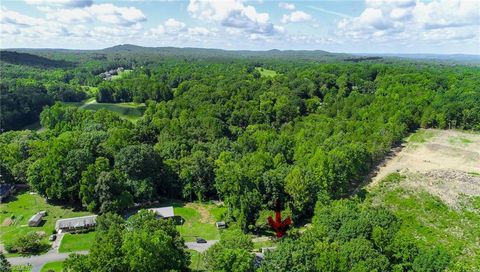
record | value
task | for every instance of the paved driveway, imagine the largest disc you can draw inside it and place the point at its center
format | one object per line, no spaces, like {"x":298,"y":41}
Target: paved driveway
{"x":200,"y":247}
{"x":38,"y":261}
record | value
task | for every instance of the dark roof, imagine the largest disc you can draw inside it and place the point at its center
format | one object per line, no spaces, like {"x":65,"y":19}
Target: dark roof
{"x":5,"y":188}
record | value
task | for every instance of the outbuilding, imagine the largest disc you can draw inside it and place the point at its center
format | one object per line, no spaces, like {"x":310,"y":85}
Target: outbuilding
{"x":36,"y":219}
{"x":221,"y":225}
{"x":71,"y":224}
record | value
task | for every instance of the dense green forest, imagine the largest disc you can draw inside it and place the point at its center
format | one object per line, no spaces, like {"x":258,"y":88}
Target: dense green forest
{"x":216,"y":128}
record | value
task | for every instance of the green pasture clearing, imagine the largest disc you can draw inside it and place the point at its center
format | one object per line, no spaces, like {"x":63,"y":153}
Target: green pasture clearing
{"x":431,"y":221}
{"x":53,"y":266}
{"x":266,"y":72}
{"x":198,"y":219}
{"x":197,"y":262}
{"x":20,"y":207}
{"x":121,"y":74}
{"x":130,"y":111}
{"x":77,"y":241}
{"x":421,"y":136}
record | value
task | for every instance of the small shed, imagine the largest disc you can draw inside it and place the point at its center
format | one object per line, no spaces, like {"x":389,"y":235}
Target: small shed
{"x":36,"y":219}
{"x":164,"y":212}
{"x":75,"y":223}
{"x":221,"y":225}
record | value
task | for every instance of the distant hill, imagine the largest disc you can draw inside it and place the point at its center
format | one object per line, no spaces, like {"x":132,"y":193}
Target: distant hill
{"x":189,"y":52}
{"x":206,"y":52}
{"x":442,"y":57}
{"x":18,"y":58}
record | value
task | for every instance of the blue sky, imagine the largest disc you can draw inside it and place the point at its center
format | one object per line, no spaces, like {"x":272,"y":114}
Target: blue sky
{"x":367,"y":26}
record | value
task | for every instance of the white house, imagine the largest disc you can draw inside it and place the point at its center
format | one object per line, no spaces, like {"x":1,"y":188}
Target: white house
{"x":75,"y":223}
{"x":164,"y":212}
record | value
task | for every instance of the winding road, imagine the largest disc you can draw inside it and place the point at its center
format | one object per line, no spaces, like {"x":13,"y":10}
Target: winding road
{"x":38,"y":261}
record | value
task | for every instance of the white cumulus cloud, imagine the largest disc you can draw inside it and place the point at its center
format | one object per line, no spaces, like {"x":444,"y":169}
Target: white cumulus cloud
{"x":233,"y":14}
{"x":286,"y":6}
{"x":110,"y":13}
{"x":61,"y":3}
{"x":296,"y":17}
{"x":414,"y":20}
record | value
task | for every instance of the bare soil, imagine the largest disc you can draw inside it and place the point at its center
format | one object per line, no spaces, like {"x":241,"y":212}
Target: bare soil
{"x":446,"y":164}
{"x":7,"y":222}
{"x":205,"y":216}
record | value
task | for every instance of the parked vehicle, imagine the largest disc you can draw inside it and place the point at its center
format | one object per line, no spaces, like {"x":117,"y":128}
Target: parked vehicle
{"x":201,"y":240}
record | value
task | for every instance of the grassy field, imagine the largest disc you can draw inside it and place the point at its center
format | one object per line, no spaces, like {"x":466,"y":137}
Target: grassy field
{"x":199,"y":220}
{"x":196,"y":261}
{"x":53,"y":266}
{"x":431,"y":221}
{"x":266,"y":72}
{"x":421,"y":136}
{"x":130,"y":111}
{"x":121,"y":74}
{"x":432,"y":185}
{"x":77,"y":242}
{"x":15,"y":213}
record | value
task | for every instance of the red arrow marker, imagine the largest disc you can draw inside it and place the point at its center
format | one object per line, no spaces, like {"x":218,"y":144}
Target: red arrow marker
{"x":280,"y":227}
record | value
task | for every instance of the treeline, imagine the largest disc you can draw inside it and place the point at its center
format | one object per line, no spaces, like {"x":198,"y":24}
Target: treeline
{"x":346,"y":235}
{"x":219,"y":130}
{"x":141,"y":243}
{"x":216,"y":130}
{"x":30,"y":82}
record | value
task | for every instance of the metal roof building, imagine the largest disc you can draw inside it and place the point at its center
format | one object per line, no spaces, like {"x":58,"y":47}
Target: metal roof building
{"x":36,"y":219}
{"x":76,"y":223}
{"x":164,"y":212}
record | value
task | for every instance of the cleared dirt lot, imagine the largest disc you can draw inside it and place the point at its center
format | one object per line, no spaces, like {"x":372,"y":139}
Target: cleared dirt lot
{"x":445,"y":163}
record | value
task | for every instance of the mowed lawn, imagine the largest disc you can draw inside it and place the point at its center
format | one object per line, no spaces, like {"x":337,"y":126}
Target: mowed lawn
{"x":266,"y":72}
{"x":14,"y":215}
{"x":128,"y":110}
{"x":131,"y":111}
{"x":121,"y":74}
{"x":197,"y":262}
{"x":77,"y":241}
{"x":53,"y":266}
{"x":199,"y":221}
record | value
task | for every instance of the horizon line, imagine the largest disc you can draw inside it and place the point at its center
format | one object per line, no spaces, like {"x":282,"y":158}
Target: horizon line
{"x":233,"y":50}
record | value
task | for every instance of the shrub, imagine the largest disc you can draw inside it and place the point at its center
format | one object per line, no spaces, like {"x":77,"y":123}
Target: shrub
{"x":29,"y":243}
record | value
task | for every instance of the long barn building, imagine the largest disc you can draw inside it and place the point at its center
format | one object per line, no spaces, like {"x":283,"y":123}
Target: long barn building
{"x":71,"y":224}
